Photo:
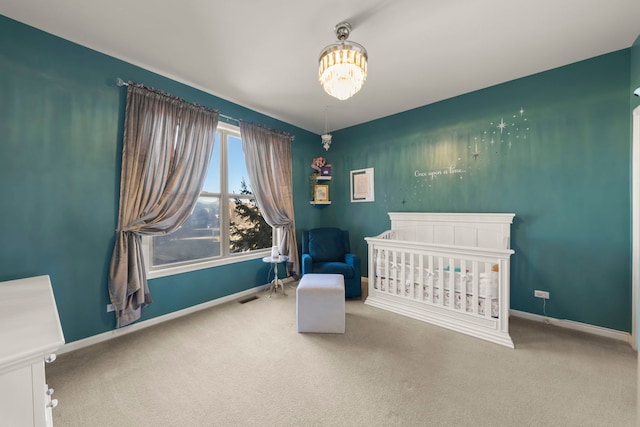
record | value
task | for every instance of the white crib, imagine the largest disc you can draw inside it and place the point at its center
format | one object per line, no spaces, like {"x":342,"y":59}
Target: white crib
{"x":448,"y":269}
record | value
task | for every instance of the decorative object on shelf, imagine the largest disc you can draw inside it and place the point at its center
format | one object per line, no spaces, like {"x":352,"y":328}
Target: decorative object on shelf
{"x":313,"y":180}
{"x":318,"y":163}
{"x":326,"y":136}
{"x":343,"y":65}
{"x":321,"y":193}
{"x":362,"y":185}
{"x":325,"y":171}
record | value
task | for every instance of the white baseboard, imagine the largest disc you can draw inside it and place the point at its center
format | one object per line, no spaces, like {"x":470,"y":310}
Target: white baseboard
{"x":569,"y":324}
{"x":576,"y":326}
{"x":95,"y":339}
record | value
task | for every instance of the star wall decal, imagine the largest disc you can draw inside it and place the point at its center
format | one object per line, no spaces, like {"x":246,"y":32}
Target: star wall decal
{"x":515,"y":129}
{"x":502,"y":125}
{"x":484,"y":141}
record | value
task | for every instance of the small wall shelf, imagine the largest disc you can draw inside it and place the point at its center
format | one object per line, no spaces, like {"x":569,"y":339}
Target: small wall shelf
{"x":319,"y":182}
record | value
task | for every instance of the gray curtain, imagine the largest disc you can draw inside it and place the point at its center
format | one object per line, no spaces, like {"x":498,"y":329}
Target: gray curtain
{"x":166,"y":151}
{"x":268,"y":157}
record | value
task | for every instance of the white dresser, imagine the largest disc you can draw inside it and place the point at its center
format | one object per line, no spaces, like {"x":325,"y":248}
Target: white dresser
{"x":30,"y":332}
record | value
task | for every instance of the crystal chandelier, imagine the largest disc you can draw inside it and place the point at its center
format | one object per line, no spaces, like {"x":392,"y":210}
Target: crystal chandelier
{"x":343,"y":65}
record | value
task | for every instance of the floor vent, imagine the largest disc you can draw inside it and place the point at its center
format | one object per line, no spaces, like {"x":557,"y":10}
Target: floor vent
{"x":246,"y":300}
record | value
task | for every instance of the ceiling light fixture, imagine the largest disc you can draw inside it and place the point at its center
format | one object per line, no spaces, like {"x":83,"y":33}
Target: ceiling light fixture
{"x":343,"y":65}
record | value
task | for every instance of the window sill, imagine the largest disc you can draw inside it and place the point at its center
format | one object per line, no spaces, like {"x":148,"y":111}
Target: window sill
{"x":186,"y":268}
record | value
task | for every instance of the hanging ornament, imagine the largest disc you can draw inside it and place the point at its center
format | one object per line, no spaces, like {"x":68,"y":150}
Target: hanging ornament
{"x":326,"y":137}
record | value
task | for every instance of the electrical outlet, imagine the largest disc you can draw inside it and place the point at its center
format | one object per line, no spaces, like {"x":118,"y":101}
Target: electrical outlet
{"x":110,"y":308}
{"x":541,"y":294}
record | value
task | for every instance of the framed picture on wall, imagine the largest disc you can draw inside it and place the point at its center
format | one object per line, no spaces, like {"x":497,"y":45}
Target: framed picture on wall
{"x":321,"y":193}
{"x":362,"y":188}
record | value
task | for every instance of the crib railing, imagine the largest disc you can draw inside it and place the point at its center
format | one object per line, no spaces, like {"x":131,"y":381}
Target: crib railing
{"x":469,"y":281}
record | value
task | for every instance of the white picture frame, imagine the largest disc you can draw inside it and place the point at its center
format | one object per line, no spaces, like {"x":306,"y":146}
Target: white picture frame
{"x":362,"y":185}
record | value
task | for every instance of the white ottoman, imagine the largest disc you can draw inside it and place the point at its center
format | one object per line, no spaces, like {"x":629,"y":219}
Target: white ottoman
{"x":320,"y":303}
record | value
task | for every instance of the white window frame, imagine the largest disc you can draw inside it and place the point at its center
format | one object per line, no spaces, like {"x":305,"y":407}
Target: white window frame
{"x":225,"y":257}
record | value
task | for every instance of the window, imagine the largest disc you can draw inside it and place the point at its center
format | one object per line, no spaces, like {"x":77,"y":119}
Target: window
{"x":226,"y":224}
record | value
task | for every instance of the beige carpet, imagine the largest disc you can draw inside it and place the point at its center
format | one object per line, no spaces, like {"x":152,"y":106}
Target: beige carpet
{"x":245,"y":365}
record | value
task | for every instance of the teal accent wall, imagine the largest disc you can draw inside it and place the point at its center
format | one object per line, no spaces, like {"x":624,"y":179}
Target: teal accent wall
{"x":561,"y":164}
{"x":61,"y":121}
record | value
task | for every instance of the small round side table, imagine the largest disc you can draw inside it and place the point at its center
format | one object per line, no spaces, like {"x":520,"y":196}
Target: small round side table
{"x":274,"y":261}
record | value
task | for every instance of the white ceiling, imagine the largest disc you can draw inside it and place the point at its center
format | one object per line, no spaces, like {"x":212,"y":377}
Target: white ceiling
{"x":263,"y":54}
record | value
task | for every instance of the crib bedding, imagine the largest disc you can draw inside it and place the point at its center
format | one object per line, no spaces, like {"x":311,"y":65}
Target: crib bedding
{"x":456,"y":276}
{"x":488,"y":280}
{"x":433,"y":294}
{"x":426,"y":287}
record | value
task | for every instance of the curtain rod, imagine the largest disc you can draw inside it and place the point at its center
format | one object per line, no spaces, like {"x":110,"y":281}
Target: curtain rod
{"x":120,"y":82}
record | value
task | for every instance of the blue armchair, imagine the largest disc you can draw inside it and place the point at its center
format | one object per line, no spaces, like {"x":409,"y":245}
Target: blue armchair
{"x":327,"y":251}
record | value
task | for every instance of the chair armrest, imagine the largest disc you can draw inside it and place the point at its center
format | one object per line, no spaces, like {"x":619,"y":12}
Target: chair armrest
{"x":354,"y":261}
{"x":307,"y":264}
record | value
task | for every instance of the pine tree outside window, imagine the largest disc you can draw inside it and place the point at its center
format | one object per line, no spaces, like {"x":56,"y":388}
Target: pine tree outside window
{"x":249,"y":230}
